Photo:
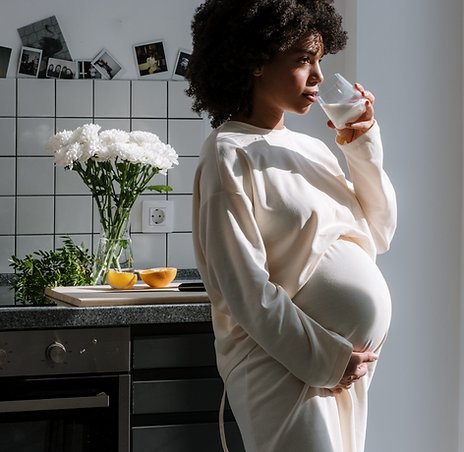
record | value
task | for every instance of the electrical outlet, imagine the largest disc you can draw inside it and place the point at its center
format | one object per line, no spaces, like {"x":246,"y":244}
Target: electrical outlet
{"x":157,"y":216}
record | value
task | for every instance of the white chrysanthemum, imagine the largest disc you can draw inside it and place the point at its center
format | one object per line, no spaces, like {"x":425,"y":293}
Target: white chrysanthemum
{"x":136,"y":147}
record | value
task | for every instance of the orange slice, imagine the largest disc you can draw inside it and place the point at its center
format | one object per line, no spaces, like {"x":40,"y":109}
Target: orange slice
{"x":121,"y":280}
{"x":158,"y":277}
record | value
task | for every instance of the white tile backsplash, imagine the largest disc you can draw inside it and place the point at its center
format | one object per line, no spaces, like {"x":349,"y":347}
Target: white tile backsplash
{"x":68,"y":182}
{"x":33,"y":134}
{"x":180,"y":251}
{"x":7,"y":249}
{"x":74,"y":98}
{"x":35,"y":215}
{"x":73,"y":215}
{"x":8,"y":97}
{"x":182,"y":212}
{"x":186,"y":136}
{"x":7,"y":215}
{"x":112,"y":98}
{"x":157,"y":126}
{"x":149,"y":251}
{"x":36,"y":98}
{"x":7,"y":175}
{"x":35,"y":176}
{"x":149,"y":100}
{"x":179,"y":104}
{"x":71,"y":123}
{"x":115,"y":123}
{"x":180,"y":178}
{"x":28,"y":244}
{"x":8,"y":136}
{"x":40,"y":203}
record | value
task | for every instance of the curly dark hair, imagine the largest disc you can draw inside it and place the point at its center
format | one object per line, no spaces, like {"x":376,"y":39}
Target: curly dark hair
{"x":231,"y":38}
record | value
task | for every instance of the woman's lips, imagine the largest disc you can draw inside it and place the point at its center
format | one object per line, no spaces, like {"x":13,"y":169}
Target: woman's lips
{"x":312,"y":96}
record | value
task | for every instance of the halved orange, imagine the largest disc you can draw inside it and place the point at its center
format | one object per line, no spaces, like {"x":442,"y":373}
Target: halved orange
{"x":121,"y":280}
{"x":158,"y":277}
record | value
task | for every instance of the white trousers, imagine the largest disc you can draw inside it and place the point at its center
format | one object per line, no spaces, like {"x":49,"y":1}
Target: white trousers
{"x":277,"y":412}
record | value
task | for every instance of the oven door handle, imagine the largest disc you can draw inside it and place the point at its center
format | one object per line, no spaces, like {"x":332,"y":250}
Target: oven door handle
{"x":67,"y":403}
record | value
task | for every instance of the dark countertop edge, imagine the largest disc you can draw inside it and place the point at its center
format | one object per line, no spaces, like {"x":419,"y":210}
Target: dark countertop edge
{"x":41,"y":317}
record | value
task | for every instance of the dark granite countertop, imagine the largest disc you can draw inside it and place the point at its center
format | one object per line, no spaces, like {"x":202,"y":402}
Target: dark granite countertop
{"x":41,"y":317}
{"x":50,"y":316}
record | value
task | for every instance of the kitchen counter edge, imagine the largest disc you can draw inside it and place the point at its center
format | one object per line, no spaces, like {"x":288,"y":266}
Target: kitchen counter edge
{"x":40,"y":317}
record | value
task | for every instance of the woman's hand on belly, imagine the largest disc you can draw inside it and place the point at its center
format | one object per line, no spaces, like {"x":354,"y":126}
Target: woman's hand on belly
{"x":355,"y":370}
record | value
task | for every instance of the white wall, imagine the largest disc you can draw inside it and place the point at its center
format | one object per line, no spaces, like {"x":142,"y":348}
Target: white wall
{"x":90,"y":25}
{"x":409,"y":54}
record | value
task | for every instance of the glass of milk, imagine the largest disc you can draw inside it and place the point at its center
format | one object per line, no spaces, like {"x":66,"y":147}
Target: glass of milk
{"x":340,"y":100}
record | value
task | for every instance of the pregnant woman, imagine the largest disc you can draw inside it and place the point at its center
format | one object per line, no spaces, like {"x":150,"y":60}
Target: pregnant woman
{"x":284,"y":242}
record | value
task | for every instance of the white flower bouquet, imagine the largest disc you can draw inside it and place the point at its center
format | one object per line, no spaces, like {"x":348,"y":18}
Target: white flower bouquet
{"x":117,"y":167}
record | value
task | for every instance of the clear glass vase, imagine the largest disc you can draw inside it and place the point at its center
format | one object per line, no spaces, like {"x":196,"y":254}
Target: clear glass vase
{"x":114,"y":249}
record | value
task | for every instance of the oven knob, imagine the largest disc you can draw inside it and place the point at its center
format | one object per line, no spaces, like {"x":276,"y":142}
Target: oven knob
{"x":56,"y":352}
{"x":2,"y":356}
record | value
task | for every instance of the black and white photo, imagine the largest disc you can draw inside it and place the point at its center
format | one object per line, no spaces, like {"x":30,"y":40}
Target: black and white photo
{"x":29,"y":62}
{"x":46,"y":35}
{"x":106,"y":65}
{"x":183,"y":57}
{"x":62,"y":69}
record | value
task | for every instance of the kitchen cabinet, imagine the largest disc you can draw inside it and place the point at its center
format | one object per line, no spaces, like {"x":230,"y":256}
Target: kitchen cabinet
{"x":177,"y":391}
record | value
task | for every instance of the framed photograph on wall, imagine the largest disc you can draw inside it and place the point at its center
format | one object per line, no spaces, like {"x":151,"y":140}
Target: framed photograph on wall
{"x":86,"y":70}
{"x":150,"y":58}
{"x":182,"y":61}
{"x":5,"y":54}
{"x":63,"y":69}
{"x":46,"y":35}
{"x":29,"y":62}
{"x":106,"y":65}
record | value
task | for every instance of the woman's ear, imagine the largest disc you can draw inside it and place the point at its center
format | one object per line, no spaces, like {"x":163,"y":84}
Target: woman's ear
{"x":258,"y":72}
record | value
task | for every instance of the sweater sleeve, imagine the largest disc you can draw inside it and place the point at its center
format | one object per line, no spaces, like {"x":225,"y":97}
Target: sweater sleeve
{"x":372,"y":186}
{"x":234,"y":258}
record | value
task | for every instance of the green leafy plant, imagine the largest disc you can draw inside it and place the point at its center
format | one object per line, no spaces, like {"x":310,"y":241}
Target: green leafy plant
{"x":70,"y":265}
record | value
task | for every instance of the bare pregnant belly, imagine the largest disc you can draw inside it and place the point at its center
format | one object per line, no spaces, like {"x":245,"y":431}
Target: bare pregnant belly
{"x":347,"y":294}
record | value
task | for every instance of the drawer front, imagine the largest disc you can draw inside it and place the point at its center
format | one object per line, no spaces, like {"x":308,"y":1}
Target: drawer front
{"x":192,"y":350}
{"x":185,"y":438}
{"x":177,"y":396}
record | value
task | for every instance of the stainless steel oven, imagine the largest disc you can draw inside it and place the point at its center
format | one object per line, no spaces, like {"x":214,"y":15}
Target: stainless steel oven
{"x":65,"y":390}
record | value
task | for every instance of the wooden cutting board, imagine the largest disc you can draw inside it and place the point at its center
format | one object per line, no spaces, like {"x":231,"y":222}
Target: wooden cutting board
{"x":105,"y":295}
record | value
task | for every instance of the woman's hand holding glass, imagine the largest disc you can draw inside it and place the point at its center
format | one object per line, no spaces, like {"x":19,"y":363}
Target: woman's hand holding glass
{"x":354,"y":130}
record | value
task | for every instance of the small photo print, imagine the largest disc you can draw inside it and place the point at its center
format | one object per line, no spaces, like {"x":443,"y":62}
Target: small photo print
{"x":183,"y":58}
{"x":86,"y":70}
{"x":106,"y":65}
{"x":150,"y":58}
{"x":61,"y":69}
{"x":45,"y":35}
{"x":29,"y":62}
{"x":5,"y":54}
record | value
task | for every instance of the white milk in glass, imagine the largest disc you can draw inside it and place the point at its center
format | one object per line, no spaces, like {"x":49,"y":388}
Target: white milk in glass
{"x":340,"y":114}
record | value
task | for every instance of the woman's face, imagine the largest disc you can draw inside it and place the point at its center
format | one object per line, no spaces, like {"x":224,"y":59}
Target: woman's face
{"x":289,"y":82}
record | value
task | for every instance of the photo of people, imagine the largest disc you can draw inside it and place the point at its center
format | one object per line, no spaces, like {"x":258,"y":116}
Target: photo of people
{"x":29,"y":62}
{"x":86,"y":70}
{"x":61,"y":69}
{"x":47,"y":36}
{"x":150,"y":58}
{"x":182,"y":62}
{"x":106,"y":65}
